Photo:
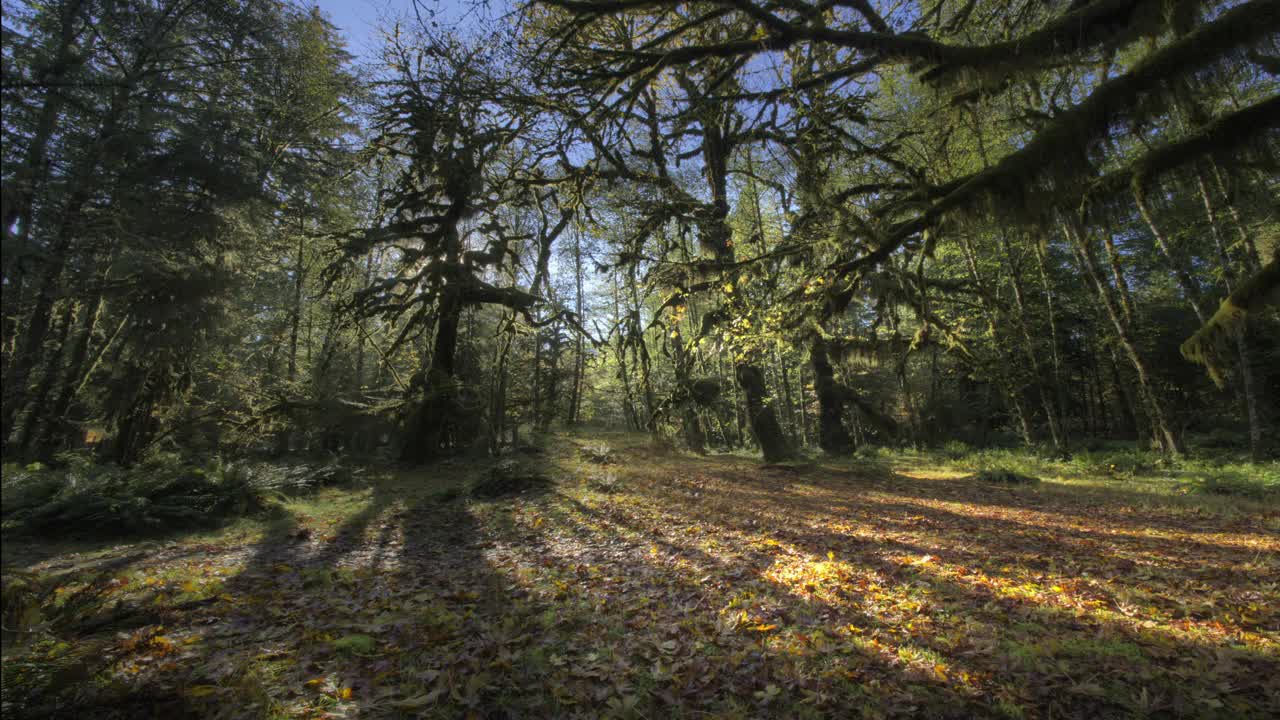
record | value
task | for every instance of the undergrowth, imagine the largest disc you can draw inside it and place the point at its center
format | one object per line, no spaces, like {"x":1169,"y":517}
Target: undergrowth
{"x":166,"y":492}
{"x":672,"y":585}
{"x":1204,"y":473}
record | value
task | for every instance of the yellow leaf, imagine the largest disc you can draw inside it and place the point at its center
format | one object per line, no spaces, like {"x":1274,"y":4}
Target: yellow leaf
{"x":831,"y":555}
{"x":345,"y":693}
{"x":202,"y":690}
{"x":765,"y":628}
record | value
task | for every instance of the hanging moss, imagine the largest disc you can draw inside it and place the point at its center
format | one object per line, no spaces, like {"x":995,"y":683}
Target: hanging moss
{"x":1211,"y":345}
{"x":1057,"y":159}
{"x":1104,"y":25}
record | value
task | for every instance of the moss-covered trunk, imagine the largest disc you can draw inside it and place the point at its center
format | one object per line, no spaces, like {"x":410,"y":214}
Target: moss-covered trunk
{"x":833,"y":437}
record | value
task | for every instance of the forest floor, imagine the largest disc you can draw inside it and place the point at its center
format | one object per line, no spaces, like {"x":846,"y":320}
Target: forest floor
{"x":674,"y":586}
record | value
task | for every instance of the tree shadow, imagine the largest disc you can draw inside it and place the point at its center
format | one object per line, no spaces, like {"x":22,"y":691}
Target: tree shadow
{"x":1111,"y":660}
{"x":710,"y":591}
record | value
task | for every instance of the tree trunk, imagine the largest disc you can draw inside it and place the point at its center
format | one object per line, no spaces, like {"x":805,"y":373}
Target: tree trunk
{"x":1059,"y":388}
{"x":1247,"y":380}
{"x":30,"y":177}
{"x":35,"y":410}
{"x":429,"y":426}
{"x":575,"y":396}
{"x":1168,"y":438}
{"x":833,"y":437}
{"x":1051,"y":414}
{"x":101,"y":156}
{"x":694,"y":434}
{"x":805,"y":433}
{"x":763,"y":420}
{"x":55,"y":427}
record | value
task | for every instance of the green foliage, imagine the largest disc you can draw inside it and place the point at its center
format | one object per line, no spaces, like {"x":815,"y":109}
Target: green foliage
{"x":598,"y":453}
{"x":356,"y":644}
{"x":1005,"y":477}
{"x":955,"y":449}
{"x":163,"y":493}
{"x":605,"y":481}
{"x":1237,"y":483}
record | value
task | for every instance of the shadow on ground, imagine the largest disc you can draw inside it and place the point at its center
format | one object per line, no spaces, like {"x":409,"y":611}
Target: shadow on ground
{"x":708,"y":587}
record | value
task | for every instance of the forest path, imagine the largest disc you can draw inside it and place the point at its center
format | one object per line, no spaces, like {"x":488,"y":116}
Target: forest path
{"x":666,"y":585}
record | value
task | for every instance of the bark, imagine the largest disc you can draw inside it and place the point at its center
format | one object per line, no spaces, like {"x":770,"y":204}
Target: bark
{"x":1253,"y":260}
{"x":805,"y":432}
{"x":430,"y":424}
{"x":789,"y":399}
{"x":535,"y":390}
{"x":716,"y":234}
{"x":694,"y":434}
{"x":1188,"y":283}
{"x":100,"y":160}
{"x":498,"y":406}
{"x":360,"y":342}
{"x":35,"y":410}
{"x":1051,"y":414}
{"x":640,"y":353}
{"x":100,"y":353}
{"x":833,"y":437}
{"x":1051,"y":310}
{"x":620,"y":352}
{"x":760,"y":414}
{"x":1006,"y":361}
{"x":56,"y":427}
{"x":1169,"y":440}
{"x":575,"y":396}
{"x":1248,"y":381}
{"x":30,"y":177}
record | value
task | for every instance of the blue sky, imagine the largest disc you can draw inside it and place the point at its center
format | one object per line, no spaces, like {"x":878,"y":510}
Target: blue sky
{"x":359,"y":19}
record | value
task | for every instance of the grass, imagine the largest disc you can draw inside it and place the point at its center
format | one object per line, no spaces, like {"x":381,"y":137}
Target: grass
{"x":890,"y":585}
{"x":1117,"y":468}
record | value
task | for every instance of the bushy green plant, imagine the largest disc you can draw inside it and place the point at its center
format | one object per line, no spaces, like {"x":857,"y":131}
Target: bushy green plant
{"x":22,"y":488}
{"x":600,"y":453}
{"x":1259,"y":484}
{"x":1005,"y":477}
{"x":162,"y":493}
{"x":605,"y":481}
{"x":1001,"y":460}
{"x":1123,"y":463}
{"x":955,"y":449}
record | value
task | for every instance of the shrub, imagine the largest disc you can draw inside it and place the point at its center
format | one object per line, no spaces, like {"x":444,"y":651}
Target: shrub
{"x":1005,"y":477}
{"x":165,"y":492}
{"x":1125,"y":463}
{"x":955,"y":450}
{"x":1237,"y":484}
{"x":605,"y":481}
{"x":27,"y":487}
{"x":599,"y":453}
